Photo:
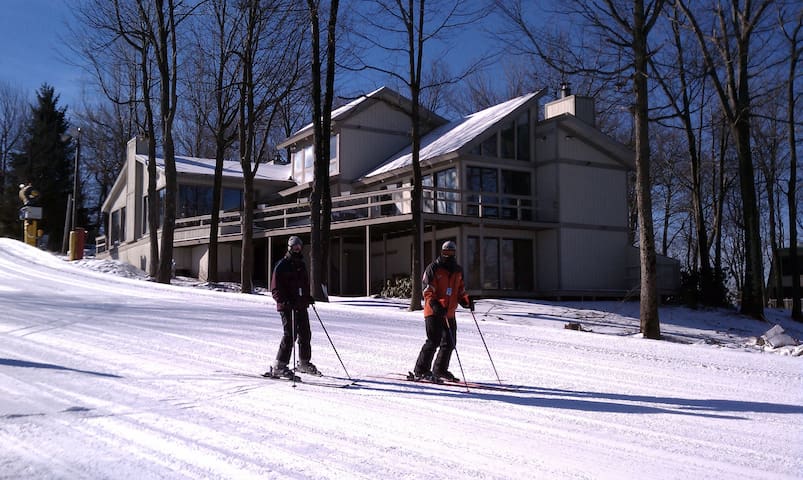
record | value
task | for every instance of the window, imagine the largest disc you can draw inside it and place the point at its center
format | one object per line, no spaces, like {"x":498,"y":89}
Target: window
{"x":508,"y":144}
{"x":193,"y":200}
{"x":516,"y":183}
{"x":303,"y":161}
{"x":114,"y":228}
{"x":490,"y":256}
{"x":523,"y":137}
{"x":298,"y":166}
{"x":499,"y":264}
{"x":122,"y":224}
{"x":232,"y":200}
{"x":481,"y":182}
{"x":447,"y":200}
{"x":426,"y":194}
{"x":144,"y":215}
{"x":488,"y":147}
{"x":333,"y":148}
{"x":473,"y":265}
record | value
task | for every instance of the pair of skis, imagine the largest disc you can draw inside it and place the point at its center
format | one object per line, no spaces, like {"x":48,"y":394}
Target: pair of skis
{"x":410,"y":376}
{"x":318,"y":379}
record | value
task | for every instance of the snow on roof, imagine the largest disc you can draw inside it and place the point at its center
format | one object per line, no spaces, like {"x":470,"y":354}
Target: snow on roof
{"x":454,"y":135}
{"x":231,"y":168}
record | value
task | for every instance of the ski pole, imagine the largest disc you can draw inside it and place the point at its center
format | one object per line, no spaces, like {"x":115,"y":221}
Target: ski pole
{"x":486,"y":347}
{"x":293,"y":322}
{"x":454,"y":347}
{"x":330,"y":341}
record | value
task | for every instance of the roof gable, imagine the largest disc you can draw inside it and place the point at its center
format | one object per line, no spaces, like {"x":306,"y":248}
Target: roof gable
{"x":350,"y":109}
{"x":456,"y":135}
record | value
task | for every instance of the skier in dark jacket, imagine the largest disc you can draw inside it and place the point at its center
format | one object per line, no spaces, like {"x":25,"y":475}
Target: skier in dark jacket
{"x":443,"y":289}
{"x":290,"y":288}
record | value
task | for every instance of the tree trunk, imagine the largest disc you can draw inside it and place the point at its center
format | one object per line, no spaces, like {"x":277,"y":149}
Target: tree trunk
{"x":791,"y":195}
{"x":650,"y":325}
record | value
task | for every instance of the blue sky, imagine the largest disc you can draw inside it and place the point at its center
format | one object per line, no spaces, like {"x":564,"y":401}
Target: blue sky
{"x":33,"y":51}
{"x":32,"y":35}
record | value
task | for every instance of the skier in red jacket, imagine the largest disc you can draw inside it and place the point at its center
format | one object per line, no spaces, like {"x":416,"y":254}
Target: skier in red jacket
{"x":443,"y":290}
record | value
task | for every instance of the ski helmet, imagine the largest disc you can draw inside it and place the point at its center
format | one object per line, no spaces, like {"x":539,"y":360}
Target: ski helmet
{"x":448,"y":248}
{"x":292,"y":241}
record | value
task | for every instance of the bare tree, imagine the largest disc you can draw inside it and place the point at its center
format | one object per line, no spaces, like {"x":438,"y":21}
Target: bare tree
{"x":623,"y":28}
{"x":14,"y":112}
{"x":117,"y":49}
{"x":404,"y":29}
{"x":105,"y":129}
{"x":322,"y":96}
{"x":726,"y":52}
{"x":270,"y":56}
{"x":214,"y":99}
{"x":589,"y":60}
{"x":767,"y":143}
{"x":681,"y":78}
{"x":792,"y":34}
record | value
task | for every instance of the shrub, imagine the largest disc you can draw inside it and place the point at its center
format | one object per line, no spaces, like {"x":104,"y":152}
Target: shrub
{"x":399,"y":287}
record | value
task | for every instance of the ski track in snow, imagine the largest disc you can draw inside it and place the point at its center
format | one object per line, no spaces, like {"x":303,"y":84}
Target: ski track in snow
{"x":106,"y":377}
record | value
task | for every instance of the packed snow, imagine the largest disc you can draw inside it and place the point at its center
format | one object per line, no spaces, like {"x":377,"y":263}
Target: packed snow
{"x":106,"y":375}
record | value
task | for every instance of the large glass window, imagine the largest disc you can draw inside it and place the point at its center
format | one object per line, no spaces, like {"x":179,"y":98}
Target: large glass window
{"x":304,"y":161}
{"x":483,"y":185}
{"x":122,"y":224}
{"x":333,"y":147}
{"x":488,"y":148}
{"x":522,"y":265}
{"x":145,"y":215}
{"x":114,"y":228}
{"x":447,"y":200}
{"x":504,"y":263}
{"x":426,"y":194}
{"x":193,"y":200}
{"x":490,"y":256}
{"x":472,"y":265}
{"x":516,"y":183}
{"x":232,"y":199}
{"x":523,"y":136}
{"x":508,"y":137}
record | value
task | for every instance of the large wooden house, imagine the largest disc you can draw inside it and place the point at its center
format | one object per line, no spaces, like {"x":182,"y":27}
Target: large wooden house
{"x":538,"y":208}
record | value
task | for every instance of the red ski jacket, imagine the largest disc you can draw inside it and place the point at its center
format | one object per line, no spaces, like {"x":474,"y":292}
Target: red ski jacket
{"x":443,"y":285}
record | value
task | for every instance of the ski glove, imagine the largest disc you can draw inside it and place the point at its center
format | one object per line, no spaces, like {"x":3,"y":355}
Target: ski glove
{"x":437,"y":308}
{"x":468,"y":303}
{"x":311,"y":300}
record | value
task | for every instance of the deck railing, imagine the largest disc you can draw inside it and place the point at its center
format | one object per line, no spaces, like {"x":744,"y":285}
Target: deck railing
{"x":369,"y":205}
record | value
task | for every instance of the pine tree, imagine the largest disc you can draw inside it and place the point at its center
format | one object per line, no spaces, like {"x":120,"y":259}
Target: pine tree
{"x":46,"y":161}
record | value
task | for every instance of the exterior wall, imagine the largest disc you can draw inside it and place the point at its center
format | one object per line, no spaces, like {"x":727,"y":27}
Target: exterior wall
{"x":133,"y":253}
{"x":362,"y":146}
{"x":580,"y":107}
{"x":547,"y":190}
{"x":593,"y":196}
{"x":390,"y":259}
{"x":228,"y":261}
{"x":548,"y":259}
{"x":592,"y":259}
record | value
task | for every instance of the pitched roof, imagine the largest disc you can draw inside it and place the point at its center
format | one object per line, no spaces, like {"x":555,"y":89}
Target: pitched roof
{"x":453,"y":136}
{"x":347,"y":110}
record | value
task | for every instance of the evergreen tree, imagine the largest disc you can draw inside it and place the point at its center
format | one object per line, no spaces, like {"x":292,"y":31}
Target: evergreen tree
{"x":46,"y":161}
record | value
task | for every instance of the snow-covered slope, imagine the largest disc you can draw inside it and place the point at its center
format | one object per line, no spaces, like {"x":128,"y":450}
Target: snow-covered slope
{"x":103,"y":376}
